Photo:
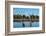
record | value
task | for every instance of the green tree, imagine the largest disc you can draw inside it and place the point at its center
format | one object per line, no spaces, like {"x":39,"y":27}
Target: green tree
{"x":27,"y":17}
{"x":15,"y":16}
{"x":20,"y":17}
{"x":24,"y":16}
{"x":37,"y":17}
{"x":32,"y":17}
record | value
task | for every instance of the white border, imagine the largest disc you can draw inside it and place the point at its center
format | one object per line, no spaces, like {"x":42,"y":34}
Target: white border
{"x":24,"y":29}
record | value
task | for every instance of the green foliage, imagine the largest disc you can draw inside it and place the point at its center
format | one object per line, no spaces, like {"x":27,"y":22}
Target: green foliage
{"x":25,"y":17}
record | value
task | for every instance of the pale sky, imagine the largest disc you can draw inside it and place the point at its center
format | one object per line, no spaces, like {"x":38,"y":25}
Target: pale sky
{"x":26,"y":11}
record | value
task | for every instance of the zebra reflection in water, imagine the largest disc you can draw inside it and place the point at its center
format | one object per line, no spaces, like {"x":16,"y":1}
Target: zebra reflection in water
{"x":23,"y":24}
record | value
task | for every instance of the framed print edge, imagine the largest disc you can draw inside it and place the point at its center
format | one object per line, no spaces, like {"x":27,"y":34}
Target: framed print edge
{"x":7,"y":18}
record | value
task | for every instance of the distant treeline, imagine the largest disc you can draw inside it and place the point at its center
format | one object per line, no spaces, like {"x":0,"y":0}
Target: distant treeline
{"x":25,"y":17}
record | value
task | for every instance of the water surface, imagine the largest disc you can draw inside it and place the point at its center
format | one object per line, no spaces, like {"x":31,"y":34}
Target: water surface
{"x":25,"y":24}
